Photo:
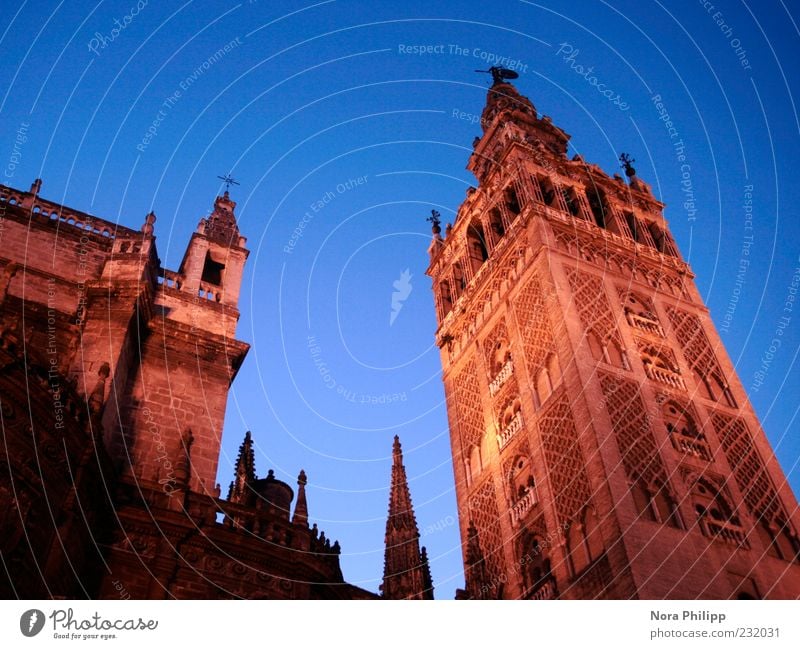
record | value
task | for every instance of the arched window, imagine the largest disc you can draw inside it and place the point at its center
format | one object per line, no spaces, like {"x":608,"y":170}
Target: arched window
{"x":662,"y":240}
{"x":553,"y":369}
{"x":578,"y":556}
{"x":595,"y":346}
{"x":445,"y":297}
{"x":572,"y":201}
{"x":459,"y":279}
{"x":535,"y":562}
{"x":598,"y":205}
{"x":683,"y":432}
{"x":500,"y":356}
{"x":476,"y":246}
{"x":615,"y":355}
{"x":512,"y":201}
{"x":510,"y":410}
{"x":639,"y":314}
{"x":594,"y":538}
{"x":666,"y":509}
{"x":543,"y":386}
{"x":643,"y":499}
{"x":475,"y":462}
{"x":721,"y":388}
{"x":520,"y":478}
{"x":496,"y":223}
{"x":548,"y":191}
{"x":714,"y":512}
{"x":703,"y":385}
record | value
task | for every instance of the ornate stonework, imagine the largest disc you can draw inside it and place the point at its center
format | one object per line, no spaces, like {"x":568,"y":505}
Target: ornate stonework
{"x":601,"y":440}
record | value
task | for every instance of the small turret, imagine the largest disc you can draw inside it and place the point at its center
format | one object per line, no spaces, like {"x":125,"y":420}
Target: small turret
{"x":301,"y":506}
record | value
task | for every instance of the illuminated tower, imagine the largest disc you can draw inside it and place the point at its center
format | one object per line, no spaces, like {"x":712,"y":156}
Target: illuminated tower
{"x":602,"y":443}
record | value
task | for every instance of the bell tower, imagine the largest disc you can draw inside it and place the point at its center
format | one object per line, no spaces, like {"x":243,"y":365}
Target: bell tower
{"x":184,"y":359}
{"x":602,"y":443}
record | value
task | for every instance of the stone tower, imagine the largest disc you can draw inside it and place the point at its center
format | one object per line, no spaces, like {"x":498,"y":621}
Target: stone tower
{"x":602,"y":443}
{"x":178,"y":359}
{"x":406,"y":573}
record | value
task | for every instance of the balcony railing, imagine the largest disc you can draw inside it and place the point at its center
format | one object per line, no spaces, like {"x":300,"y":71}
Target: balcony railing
{"x":543,"y":590}
{"x":523,"y":506}
{"x":665,"y":376}
{"x":507,"y":434}
{"x":726,"y":531}
{"x":688,"y":446}
{"x":645,"y":324}
{"x":501,"y":378}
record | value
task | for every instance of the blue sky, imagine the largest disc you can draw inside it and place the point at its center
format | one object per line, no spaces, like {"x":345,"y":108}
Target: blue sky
{"x":310,"y":96}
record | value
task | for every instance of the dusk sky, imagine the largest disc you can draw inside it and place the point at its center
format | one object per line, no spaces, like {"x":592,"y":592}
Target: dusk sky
{"x":345,"y":123}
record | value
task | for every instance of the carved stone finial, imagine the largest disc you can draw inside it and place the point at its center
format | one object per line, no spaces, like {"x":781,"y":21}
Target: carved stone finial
{"x":147,"y":226}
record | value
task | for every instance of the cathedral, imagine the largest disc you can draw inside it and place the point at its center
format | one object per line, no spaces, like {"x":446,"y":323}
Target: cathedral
{"x":602,"y":444}
{"x":114,"y":377}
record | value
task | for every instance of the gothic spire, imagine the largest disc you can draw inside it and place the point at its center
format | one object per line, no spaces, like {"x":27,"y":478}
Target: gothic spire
{"x":405,"y":571}
{"x":245,"y":471}
{"x":301,"y":507}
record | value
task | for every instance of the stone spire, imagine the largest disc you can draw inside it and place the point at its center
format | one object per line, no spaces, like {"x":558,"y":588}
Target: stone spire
{"x":405,"y":571}
{"x":245,"y":472}
{"x":301,"y":507}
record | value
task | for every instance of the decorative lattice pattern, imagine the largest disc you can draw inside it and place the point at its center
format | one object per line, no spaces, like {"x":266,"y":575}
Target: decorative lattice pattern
{"x":564,"y":460}
{"x":486,"y":518}
{"x":637,"y":446}
{"x":748,"y":469}
{"x":465,"y":400}
{"x":696,"y":348}
{"x":531,"y":312}
{"x":592,"y":304}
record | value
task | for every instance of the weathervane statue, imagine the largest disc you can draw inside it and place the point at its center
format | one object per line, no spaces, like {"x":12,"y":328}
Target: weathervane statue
{"x":499,"y":75}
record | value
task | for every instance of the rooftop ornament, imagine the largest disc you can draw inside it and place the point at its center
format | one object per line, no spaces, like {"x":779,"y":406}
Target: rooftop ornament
{"x":499,"y":75}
